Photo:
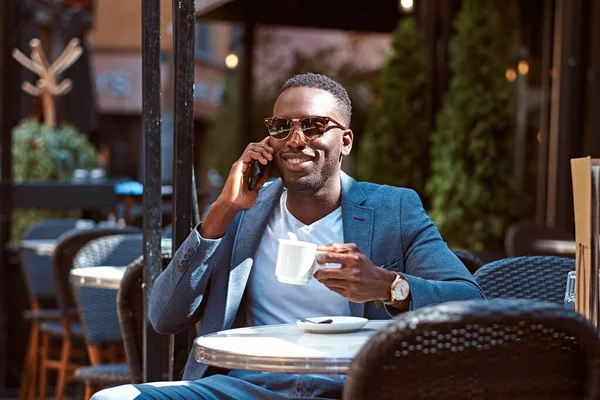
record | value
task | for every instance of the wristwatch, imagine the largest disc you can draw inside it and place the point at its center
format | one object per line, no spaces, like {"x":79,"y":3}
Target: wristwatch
{"x":399,"y":290}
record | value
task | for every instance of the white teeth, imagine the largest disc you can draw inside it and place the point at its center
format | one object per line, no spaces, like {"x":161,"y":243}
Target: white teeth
{"x":297,"y":160}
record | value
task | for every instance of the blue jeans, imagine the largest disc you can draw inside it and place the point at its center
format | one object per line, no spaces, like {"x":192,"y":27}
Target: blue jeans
{"x":236,"y":385}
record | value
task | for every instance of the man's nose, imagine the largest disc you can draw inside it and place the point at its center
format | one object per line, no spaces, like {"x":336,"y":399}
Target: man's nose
{"x":297,"y":137}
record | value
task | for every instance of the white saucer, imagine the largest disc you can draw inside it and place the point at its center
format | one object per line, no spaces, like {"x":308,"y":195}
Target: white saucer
{"x":339,"y":324}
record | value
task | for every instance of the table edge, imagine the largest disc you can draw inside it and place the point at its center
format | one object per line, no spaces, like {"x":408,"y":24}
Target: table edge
{"x":94,"y":282}
{"x":225,"y":359}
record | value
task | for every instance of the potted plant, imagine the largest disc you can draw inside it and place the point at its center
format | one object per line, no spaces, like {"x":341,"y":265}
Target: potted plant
{"x":44,"y":151}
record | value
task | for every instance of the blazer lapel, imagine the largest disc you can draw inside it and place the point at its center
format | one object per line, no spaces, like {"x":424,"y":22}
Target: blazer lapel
{"x":252,"y":225}
{"x":358,"y":225}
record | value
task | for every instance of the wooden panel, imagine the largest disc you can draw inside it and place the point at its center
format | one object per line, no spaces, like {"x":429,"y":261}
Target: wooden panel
{"x":118,"y":25}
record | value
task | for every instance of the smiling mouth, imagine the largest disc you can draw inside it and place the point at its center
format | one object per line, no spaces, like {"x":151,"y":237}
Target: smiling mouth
{"x":297,"y":160}
{"x":295,"y":163}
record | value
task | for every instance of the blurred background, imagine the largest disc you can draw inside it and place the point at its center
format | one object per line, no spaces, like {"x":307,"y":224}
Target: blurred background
{"x":477,"y":105}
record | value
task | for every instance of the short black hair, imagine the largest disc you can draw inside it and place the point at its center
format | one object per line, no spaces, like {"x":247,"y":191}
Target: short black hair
{"x":318,"y":81}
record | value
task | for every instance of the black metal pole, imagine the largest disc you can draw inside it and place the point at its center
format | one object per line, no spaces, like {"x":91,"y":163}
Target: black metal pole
{"x":570,"y":110}
{"x":184,"y":19}
{"x":10,"y":91}
{"x":151,"y":121}
{"x":542,"y":163}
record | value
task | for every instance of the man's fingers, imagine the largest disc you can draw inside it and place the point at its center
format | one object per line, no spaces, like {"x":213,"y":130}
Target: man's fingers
{"x":336,"y":285}
{"x":260,"y":147}
{"x":346,"y":259}
{"x":343,"y":274}
{"x":266,"y":141}
{"x":258,"y":156}
{"x":339,"y":248}
{"x":333,"y":258}
{"x":261,"y":182}
{"x":333,"y":248}
{"x":262,"y":150}
{"x":334,"y":282}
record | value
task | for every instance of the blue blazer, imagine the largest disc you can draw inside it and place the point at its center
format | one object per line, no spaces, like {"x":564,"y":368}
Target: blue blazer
{"x":389,"y":224}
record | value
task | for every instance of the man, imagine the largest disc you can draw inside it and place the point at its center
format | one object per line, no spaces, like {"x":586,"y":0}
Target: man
{"x":389,"y":250}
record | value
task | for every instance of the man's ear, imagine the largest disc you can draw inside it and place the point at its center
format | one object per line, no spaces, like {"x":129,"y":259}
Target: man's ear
{"x":347,"y":139}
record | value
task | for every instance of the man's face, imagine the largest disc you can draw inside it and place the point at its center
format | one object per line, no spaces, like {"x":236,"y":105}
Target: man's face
{"x":309,"y":165}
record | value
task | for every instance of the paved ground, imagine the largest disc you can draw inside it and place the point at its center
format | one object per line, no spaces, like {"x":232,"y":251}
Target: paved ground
{"x":13,"y":394}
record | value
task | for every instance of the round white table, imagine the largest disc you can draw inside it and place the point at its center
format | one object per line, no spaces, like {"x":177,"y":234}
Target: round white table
{"x":40,"y":246}
{"x":100,"y":277}
{"x":567,"y":247}
{"x":47,"y":246}
{"x":283,"y":348}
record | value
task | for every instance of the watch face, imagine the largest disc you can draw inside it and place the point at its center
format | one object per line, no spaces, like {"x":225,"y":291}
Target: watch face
{"x":401,"y":290}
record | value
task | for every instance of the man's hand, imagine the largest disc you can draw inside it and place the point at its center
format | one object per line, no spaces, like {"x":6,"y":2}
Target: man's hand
{"x":358,"y":280}
{"x":235,"y":195}
{"x":235,"y":192}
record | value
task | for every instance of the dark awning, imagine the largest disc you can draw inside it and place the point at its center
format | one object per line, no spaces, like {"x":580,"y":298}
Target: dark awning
{"x":353,"y":15}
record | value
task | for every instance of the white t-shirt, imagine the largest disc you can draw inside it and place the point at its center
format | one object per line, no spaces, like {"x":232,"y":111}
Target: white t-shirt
{"x":273,"y":302}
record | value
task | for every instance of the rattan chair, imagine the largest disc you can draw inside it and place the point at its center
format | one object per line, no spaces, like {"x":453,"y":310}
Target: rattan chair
{"x":130,"y":308}
{"x":501,"y":349}
{"x":542,"y":278}
{"x":98,"y":310}
{"x":67,"y":328}
{"x":471,"y":261}
{"x":37,"y":272}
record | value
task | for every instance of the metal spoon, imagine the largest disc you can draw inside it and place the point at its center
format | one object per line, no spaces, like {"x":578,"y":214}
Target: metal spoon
{"x":325,"y":321}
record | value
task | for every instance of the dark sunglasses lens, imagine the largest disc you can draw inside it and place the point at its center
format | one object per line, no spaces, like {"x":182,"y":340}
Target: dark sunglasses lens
{"x":279,"y":128}
{"x":313,"y":127}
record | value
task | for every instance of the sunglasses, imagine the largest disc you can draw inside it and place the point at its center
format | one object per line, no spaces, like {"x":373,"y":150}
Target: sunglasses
{"x":311,"y":127}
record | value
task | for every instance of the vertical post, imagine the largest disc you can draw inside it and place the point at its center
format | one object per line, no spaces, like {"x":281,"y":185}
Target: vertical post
{"x":594,"y":88}
{"x":184,"y":19}
{"x":245,"y":103}
{"x":436,"y":19}
{"x":568,"y":108}
{"x":10,"y":91}
{"x":428,"y":26}
{"x":521,"y":123}
{"x":542,"y":161}
{"x":151,"y":121}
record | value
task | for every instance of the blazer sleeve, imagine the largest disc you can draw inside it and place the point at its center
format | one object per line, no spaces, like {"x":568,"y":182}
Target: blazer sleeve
{"x":179,"y":290}
{"x":434,"y":273}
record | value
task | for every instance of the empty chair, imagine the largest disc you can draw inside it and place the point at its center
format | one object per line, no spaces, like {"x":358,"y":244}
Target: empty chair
{"x":66,"y":327}
{"x":541,"y":278}
{"x":130,"y":308}
{"x":98,"y":310}
{"x":521,"y":238}
{"x":501,"y":349}
{"x":37,"y":272}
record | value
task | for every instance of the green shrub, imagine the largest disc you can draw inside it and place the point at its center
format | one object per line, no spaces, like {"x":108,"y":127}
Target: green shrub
{"x":395,"y":147}
{"x":44,"y":153}
{"x":471,"y":188}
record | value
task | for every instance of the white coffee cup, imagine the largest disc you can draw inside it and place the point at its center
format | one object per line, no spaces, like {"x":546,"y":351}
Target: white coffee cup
{"x":296,"y":261}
